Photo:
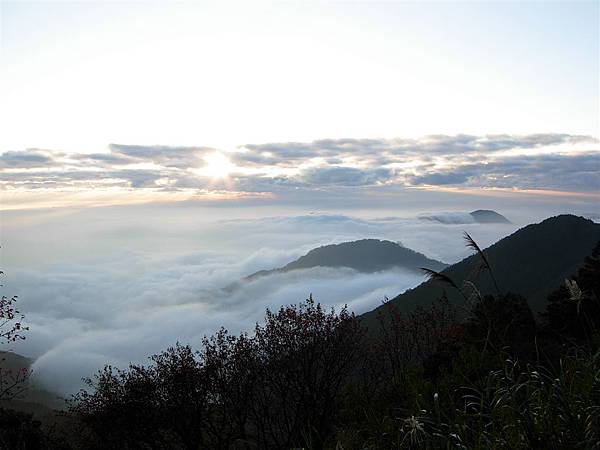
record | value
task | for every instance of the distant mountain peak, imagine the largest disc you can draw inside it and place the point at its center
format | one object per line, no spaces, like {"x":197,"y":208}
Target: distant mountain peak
{"x":488,"y":216}
{"x":462,"y":217}
{"x":364,"y":255}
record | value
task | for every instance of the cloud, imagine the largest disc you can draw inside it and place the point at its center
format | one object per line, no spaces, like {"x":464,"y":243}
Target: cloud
{"x":114,"y":285}
{"x":345,"y":176}
{"x":440,"y":179}
{"x":167,"y":156}
{"x":451,"y":217}
{"x":578,"y":172}
{"x":100,"y":317}
{"x":538,"y":161}
{"x":138,"y":178}
{"x":395,"y":150}
{"x":141,"y":329}
{"x":26,"y":159}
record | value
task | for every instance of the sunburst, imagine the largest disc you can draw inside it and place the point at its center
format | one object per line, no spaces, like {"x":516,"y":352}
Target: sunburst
{"x":218,"y":166}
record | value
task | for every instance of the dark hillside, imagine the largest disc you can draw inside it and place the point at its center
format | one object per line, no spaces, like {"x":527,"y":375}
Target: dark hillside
{"x":488,"y":216}
{"x":34,"y":398}
{"x":365,"y":255}
{"x":532,"y":262}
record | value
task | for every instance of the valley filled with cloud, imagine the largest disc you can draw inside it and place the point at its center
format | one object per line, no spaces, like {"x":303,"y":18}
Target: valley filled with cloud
{"x":114,"y":285}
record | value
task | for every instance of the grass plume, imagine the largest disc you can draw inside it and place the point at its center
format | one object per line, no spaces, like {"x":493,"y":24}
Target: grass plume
{"x":484,"y":261}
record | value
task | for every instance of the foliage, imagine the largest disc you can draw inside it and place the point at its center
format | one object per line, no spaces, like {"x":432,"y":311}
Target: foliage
{"x":532,"y":262}
{"x":276,"y":389}
{"x":495,"y":387}
{"x":574,"y":309}
{"x":12,"y":381}
{"x":20,"y":431}
{"x":305,"y":355}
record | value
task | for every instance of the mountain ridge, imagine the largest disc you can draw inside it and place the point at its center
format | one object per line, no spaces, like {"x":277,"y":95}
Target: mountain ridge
{"x":481,"y":216}
{"x":532,"y":262}
{"x":488,"y":216}
{"x":35,"y":399}
{"x":363,"y":255}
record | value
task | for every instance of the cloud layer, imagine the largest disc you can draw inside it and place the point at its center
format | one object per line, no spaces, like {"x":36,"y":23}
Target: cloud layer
{"x":114,"y":285}
{"x":541,"y":161}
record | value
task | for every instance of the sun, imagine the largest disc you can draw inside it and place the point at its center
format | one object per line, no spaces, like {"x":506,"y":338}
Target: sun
{"x":217,"y":166}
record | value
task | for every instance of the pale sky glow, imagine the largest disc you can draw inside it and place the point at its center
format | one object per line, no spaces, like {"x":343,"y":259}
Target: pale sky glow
{"x":77,"y":76}
{"x":171,"y":100}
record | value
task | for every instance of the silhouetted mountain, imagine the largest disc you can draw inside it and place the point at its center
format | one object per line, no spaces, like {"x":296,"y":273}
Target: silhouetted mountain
{"x":533,"y":261}
{"x":366,"y":255}
{"x":458,"y":218}
{"x":13,"y":361}
{"x":35,"y":399}
{"x":488,"y":216}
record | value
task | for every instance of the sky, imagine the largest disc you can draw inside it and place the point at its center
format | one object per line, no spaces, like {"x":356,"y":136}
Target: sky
{"x":78,"y":76}
{"x":152,"y":153}
{"x":229,"y":100}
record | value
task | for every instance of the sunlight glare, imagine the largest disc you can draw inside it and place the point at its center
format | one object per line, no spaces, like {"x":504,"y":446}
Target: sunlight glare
{"x":217,"y":166}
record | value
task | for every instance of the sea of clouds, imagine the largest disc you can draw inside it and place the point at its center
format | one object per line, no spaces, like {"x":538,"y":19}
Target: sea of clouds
{"x":115,"y":285}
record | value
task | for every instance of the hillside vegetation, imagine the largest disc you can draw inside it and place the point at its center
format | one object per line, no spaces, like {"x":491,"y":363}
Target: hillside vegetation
{"x":532,"y":262}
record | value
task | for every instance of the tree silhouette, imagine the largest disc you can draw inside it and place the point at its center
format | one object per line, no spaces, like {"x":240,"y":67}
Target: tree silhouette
{"x":12,"y":380}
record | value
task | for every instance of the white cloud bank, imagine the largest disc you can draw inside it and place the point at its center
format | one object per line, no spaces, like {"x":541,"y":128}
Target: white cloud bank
{"x":110,"y":285}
